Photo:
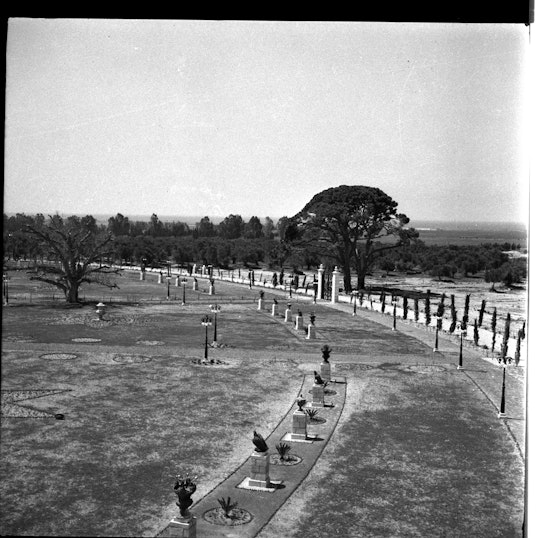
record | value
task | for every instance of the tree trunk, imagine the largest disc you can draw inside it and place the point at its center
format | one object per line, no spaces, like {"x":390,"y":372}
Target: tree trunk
{"x":72,"y":293}
{"x":347,"y":278}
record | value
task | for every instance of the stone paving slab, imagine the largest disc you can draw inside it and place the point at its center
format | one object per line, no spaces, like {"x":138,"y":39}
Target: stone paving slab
{"x":262,"y":505}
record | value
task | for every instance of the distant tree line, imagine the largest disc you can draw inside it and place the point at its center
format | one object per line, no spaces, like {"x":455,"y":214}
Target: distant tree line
{"x":234,"y":242}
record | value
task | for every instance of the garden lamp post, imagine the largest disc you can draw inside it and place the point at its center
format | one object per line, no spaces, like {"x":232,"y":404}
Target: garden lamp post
{"x":215,"y":308}
{"x":206,"y":321}
{"x":394,"y":313}
{"x":439,"y":324}
{"x":501,"y":414}
{"x":184,"y":280}
{"x":462,"y":333}
{"x":6,"y":290}
{"x":168,"y":284}
{"x":354,"y":293}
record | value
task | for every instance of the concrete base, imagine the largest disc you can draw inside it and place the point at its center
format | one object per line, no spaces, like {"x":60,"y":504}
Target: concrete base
{"x":142,"y":276}
{"x":182,"y":527}
{"x":296,"y":438}
{"x":502,"y":415}
{"x":271,"y":488}
{"x":459,"y":368}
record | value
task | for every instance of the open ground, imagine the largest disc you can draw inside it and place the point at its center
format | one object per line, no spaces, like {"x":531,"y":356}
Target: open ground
{"x":418,"y":449}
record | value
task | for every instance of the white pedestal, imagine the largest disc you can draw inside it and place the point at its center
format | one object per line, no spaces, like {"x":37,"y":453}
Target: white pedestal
{"x":325,"y":368}
{"x":259,"y":472}
{"x":183,"y":527}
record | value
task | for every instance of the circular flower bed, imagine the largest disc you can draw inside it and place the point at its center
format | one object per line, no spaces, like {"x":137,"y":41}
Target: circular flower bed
{"x":86,"y":340}
{"x":237,"y":516}
{"x":211,"y":362}
{"x":426,"y":368}
{"x":130,"y":359}
{"x":59,"y":356}
{"x":290,"y":459}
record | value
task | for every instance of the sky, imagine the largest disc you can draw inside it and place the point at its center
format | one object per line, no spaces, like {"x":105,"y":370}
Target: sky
{"x":254,"y":118}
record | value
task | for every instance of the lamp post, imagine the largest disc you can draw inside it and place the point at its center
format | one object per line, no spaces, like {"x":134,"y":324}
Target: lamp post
{"x":184,"y":280}
{"x":6,"y":290}
{"x":206,"y":321}
{"x":439,"y":325}
{"x":354,"y":294}
{"x":168,"y":283}
{"x":215,"y":308}
{"x":394,"y":313}
{"x":462,"y":333}
{"x":501,"y":414}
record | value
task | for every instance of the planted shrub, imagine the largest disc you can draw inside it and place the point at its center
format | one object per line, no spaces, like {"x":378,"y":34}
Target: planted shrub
{"x":482,"y":312}
{"x":227,"y":506}
{"x":427,"y":308}
{"x":283,"y":450}
{"x":311,"y":414}
{"x":493,"y":327}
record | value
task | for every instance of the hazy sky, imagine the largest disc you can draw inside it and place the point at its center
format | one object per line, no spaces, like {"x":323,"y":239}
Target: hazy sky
{"x":254,"y":118}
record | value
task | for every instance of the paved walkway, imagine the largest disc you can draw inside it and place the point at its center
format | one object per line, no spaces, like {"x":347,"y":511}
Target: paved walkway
{"x":263,"y":504}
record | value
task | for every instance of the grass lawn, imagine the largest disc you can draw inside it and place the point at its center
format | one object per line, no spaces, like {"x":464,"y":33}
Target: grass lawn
{"x":419,"y":452}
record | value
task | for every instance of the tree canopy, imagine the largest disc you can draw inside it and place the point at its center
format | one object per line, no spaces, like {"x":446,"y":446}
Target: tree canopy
{"x":353,"y":225}
{"x":78,"y":246}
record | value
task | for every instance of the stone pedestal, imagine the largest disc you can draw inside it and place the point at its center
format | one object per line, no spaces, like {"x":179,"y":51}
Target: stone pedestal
{"x":261,"y":304}
{"x":311,"y":332}
{"x":177,"y":281}
{"x":335,"y":275}
{"x":142,"y":275}
{"x":274,"y":309}
{"x":259,"y":473}
{"x":318,"y":395}
{"x":160,"y":279}
{"x":299,"y":325}
{"x":211,"y":289}
{"x":183,"y":527}
{"x":195,"y":285}
{"x":299,"y":426}
{"x":325,"y":368}
{"x":287,"y":315}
